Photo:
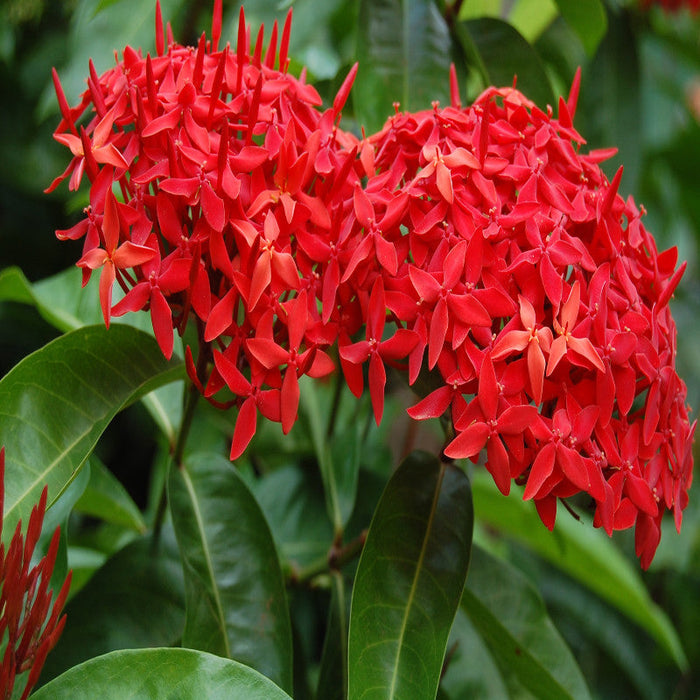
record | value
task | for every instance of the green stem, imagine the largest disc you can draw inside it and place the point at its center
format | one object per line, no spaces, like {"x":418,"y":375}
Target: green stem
{"x":185,"y":425}
{"x":176,"y":460}
{"x":337,"y":558}
{"x":339,"y":383}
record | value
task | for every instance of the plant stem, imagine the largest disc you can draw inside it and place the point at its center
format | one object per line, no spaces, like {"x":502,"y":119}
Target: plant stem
{"x":187,"y":416}
{"x":176,"y":460}
{"x":339,"y":383}
{"x":338,"y":556}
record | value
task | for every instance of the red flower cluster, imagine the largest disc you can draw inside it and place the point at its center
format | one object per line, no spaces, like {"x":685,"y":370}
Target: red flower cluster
{"x":535,"y":288}
{"x":230,"y":178}
{"x":507,"y":265}
{"x":25,"y":601}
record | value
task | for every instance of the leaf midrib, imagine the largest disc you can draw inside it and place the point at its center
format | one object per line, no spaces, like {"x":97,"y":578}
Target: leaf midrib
{"x":414,"y":583}
{"x":189,"y":485}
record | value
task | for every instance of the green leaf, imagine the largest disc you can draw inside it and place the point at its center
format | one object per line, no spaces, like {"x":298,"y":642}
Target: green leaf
{"x":404,"y":52}
{"x":56,"y":403}
{"x":532,"y":17}
{"x":587,"y":18}
{"x":509,"y":615}
{"x":506,"y":55}
{"x":583,"y":552}
{"x":236,"y":600}
{"x":136,"y":599}
{"x":160,"y":674}
{"x":338,"y":454}
{"x":57,"y":516}
{"x":58,"y":299}
{"x":345,"y":448}
{"x":333,"y":676}
{"x":470,"y":670}
{"x":61,"y":303}
{"x":409,"y":581}
{"x":14,"y":286}
{"x":165,"y":406}
{"x":106,"y":498}
{"x":591,"y":622}
{"x":610,"y":107}
{"x":83,"y":562}
{"x":293,"y":502}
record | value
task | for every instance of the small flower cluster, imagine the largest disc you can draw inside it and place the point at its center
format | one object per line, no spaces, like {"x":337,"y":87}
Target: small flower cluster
{"x":478,"y":249}
{"x":29,"y":625}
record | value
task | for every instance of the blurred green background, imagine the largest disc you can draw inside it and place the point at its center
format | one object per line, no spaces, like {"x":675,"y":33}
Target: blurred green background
{"x":640,"y":92}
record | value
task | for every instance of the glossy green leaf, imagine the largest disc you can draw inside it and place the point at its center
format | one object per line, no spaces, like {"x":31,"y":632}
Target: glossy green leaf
{"x":506,"y":55}
{"x":509,"y":615}
{"x":57,"y":516}
{"x":583,"y":552}
{"x":105,"y":498}
{"x":345,"y":448}
{"x":62,"y":303}
{"x":613,"y":80}
{"x":58,"y":299}
{"x":236,"y":599}
{"x":165,"y":406}
{"x":136,"y":599}
{"x":160,"y":674}
{"x":338,"y":454}
{"x":409,"y":581}
{"x":293,"y":501}
{"x":403,"y":47}
{"x":55,"y":404}
{"x":587,"y":18}
{"x":470,"y":670}
{"x":333,"y":675}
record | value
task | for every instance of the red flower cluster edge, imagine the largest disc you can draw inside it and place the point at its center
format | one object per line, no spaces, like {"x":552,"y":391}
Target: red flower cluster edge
{"x":29,"y":624}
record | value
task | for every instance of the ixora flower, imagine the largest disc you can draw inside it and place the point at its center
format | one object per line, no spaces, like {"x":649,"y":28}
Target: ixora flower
{"x":232,"y":187}
{"x":478,"y":249}
{"x":29,"y":624}
{"x":536,"y":289}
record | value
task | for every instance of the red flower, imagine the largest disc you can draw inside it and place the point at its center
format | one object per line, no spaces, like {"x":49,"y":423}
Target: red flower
{"x":490,"y":421}
{"x":377,"y":350}
{"x":114,"y":256}
{"x":29,"y":624}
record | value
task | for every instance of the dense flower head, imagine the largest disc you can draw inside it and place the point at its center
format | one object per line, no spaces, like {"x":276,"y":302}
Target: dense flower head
{"x":230,"y":186}
{"x":29,"y":624}
{"x":540,"y":305}
{"x":479,"y":250}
